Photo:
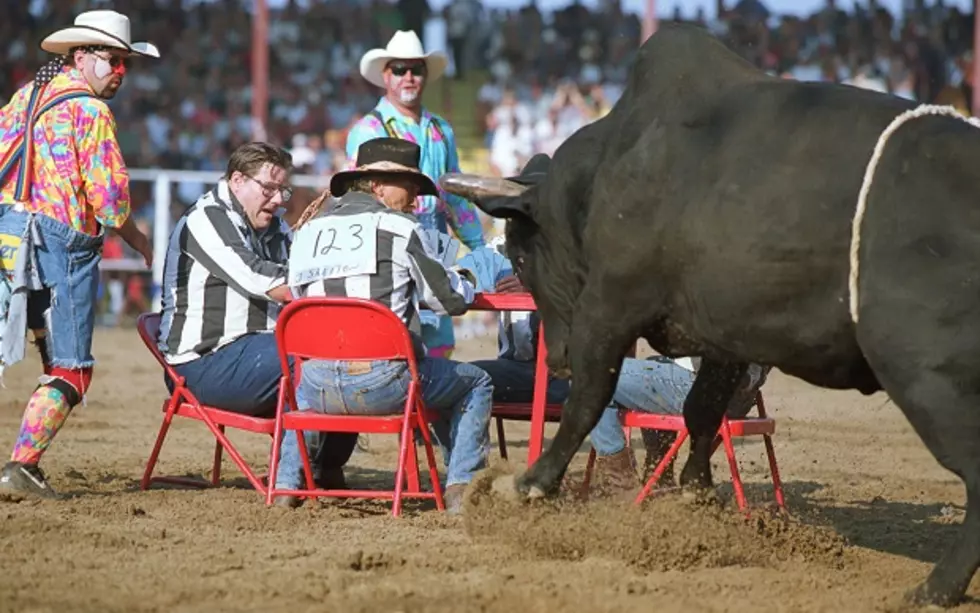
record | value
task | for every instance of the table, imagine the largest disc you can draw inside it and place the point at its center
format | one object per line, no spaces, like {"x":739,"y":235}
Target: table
{"x":524,"y":302}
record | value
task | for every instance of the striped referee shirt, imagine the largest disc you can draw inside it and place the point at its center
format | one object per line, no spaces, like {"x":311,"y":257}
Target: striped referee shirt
{"x":216,"y":275}
{"x":406,"y":274}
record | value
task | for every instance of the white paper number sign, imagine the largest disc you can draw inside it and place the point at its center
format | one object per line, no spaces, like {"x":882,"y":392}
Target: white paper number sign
{"x":333,"y":247}
{"x":441,"y":247}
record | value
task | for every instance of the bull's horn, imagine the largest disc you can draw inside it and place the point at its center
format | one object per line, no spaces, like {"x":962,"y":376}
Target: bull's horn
{"x":471,"y":186}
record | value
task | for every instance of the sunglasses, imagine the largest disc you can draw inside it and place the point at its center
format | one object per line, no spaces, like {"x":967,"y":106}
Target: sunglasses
{"x":400,"y":69}
{"x":114,"y":60}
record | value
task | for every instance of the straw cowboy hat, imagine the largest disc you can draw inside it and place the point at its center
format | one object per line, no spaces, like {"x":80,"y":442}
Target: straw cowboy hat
{"x":404,"y":45}
{"x":101,"y":28}
{"x":384,"y":157}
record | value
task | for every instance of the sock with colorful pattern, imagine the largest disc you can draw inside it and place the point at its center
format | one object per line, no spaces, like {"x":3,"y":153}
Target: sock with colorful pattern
{"x":46,"y":413}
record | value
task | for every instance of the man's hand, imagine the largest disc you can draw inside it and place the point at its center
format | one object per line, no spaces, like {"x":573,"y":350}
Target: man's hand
{"x":146,"y":250}
{"x":466,"y":274}
{"x":280,"y":293}
{"x":137,"y":240}
{"x":509,"y":285}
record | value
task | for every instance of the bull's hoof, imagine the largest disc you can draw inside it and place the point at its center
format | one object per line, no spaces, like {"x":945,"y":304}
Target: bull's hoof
{"x":513,"y":489}
{"x":926,"y":597}
{"x":531,"y":487}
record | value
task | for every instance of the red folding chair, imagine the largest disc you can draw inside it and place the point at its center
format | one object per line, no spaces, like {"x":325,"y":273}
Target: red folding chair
{"x":357,"y":330}
{"x":730,"y":428}
{"x":182,"y":403}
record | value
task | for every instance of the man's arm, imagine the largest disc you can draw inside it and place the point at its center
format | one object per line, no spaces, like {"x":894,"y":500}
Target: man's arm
{"x":105,"y":180}
{"x":136,"y":239}
{"x":463,"y":216}
{"x":442,"y":290}
{"x":214,"y":241}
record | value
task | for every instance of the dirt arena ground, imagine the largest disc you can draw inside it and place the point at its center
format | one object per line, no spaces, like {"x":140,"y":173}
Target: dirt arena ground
{"x":872,"y":512}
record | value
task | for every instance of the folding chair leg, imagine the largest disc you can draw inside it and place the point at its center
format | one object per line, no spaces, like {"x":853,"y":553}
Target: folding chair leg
{"x":412,"y":467}
{"x":155,"y":454}
{"x":430,"y":457}
{"x":726,"y":437}
{"x":662,"y":466}
{"x":274,"y":459}
{"x":406,"y":440}
{"x":216,"y":469}
{"x":589,"y":467}
{"x":777,"y":484}
{"x":501,"y":438}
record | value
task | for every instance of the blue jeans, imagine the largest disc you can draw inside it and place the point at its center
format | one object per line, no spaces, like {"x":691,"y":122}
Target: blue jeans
{"x":460,"y":392}
{"x":654,"y":386}
{"x":59,"y":279}
{"x":243,"y":377}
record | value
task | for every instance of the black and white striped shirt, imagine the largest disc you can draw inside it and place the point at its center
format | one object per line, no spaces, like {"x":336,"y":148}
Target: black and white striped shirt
{"x":406,"y":275}
{"x":216,"y":275}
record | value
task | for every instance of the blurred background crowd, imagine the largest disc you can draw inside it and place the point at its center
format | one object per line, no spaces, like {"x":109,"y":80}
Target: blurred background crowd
{"x":524,"y":79}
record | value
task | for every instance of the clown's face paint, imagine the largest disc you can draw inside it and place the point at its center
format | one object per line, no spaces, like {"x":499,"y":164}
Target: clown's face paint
{"x":104,"y":70}
{"x":101,"y":68}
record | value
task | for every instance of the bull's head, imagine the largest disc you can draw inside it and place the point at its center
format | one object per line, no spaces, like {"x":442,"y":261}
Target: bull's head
{"x":531,"y":245}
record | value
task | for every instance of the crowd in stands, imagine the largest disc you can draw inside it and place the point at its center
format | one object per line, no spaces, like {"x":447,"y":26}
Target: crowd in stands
{"x":531,"y":102}
{"x":545,"y":75}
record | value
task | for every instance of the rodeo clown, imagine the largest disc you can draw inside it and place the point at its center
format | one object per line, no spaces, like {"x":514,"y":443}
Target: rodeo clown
{"x":62,"y":182}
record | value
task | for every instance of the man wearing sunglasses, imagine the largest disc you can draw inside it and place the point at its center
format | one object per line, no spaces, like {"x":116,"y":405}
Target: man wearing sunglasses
{"x":63,"y":185}
{"x":402,"y":70}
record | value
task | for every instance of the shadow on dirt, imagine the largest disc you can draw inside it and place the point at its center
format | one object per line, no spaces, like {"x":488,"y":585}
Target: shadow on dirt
{"x":920,"y":532}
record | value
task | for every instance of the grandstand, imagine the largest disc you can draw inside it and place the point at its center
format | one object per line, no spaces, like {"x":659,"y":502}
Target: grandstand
{"x":188,"y":112}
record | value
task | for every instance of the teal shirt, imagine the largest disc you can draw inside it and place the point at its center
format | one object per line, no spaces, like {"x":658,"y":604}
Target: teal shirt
{"x":436,"y":138}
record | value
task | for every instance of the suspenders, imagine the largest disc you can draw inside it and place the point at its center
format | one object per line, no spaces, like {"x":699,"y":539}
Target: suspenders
{"x":22,"y":149}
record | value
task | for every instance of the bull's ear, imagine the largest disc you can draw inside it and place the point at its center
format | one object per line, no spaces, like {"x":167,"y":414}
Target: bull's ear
{"x":504,"y":207}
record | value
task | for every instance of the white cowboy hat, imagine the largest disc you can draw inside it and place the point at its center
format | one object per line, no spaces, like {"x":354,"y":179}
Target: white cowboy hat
{"x":104,"y":28}
{"x":404,"y":45}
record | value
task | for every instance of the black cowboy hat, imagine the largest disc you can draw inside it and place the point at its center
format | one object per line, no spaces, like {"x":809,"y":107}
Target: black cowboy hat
{"x":385,"y":157}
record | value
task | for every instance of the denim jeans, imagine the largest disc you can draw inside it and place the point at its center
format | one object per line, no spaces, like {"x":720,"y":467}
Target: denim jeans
{"x":653,"y":386}
{"x":243,"y":377}
{"x":54,"y":282}
{"x":459,"y":392}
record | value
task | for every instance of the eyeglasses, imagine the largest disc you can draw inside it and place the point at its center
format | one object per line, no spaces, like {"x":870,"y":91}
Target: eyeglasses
{"x":269,"y":189}
{"x":400,"y":69}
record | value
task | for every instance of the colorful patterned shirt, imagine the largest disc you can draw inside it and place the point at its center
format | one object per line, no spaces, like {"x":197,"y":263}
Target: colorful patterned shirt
{"x":80,"y":178}
{"x":439,"y":156}
{"x":435,"y":137}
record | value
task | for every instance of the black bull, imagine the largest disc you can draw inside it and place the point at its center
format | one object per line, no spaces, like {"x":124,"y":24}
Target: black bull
{"x":710,"y":212}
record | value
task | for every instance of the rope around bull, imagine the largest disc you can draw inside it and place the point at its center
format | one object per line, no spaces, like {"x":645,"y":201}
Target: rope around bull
{"x":920,"y":111}
{"x":311,"y":209}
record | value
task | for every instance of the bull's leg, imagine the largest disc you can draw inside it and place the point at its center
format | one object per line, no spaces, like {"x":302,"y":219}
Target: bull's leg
{"x":713,"y":389}
{"x":596,"y":348}
{"x":948,"y":421}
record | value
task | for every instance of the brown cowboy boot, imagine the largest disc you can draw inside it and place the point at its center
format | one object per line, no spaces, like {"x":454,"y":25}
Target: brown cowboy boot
{"x":615,"y":475}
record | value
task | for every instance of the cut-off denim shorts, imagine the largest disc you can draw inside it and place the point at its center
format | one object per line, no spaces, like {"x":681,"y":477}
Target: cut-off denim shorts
{"x":52,"y":272}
